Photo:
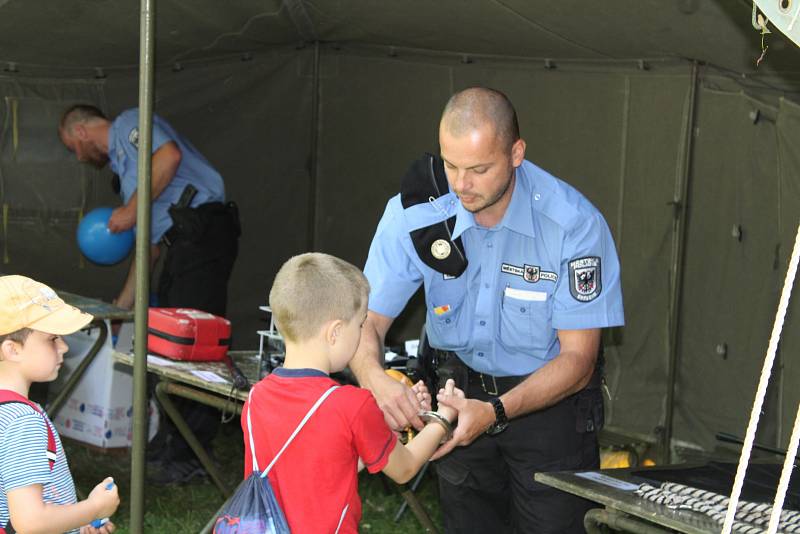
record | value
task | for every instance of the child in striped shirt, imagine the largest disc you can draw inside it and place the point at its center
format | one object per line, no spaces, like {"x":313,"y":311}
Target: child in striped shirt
{"x":37,"y":493}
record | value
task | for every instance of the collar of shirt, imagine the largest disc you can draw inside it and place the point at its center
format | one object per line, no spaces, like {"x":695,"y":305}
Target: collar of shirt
{"x":298,"y":373}
{"x":518,"y":217}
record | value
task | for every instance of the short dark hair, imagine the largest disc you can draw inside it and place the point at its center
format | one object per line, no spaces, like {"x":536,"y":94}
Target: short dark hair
{"x":79,"y":113}
{"x":18,"y":335}
{"x":473,"y":107}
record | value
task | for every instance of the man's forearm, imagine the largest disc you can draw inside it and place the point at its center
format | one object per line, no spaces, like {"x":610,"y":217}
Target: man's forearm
{"x":164,"y":166}
{"x":367,"y":358}
{"x":567,"y":373}
{"x":128,"y":292}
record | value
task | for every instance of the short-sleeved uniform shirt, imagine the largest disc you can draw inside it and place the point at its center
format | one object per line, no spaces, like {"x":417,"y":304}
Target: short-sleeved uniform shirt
{"x":316,"y":478}
{"x":549,"y":265}
{"x":23,"y":459}
{"x":123,"y":148}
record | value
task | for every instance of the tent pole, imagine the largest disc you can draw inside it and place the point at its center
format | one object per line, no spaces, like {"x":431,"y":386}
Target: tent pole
{"x":312,"y":183}
{"x":679,"y":203}
{"x":146,"y":59}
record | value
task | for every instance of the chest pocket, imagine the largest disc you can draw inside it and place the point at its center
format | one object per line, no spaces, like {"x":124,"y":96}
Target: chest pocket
{"x":447,"y":313}
{"x":525,"y":322}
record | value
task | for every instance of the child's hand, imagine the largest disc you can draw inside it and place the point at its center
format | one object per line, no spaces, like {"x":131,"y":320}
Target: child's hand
{"x":107,"y":528}
{"x":104,"y":499}
{"x":448,"y":393}
{"x":423,"y":395}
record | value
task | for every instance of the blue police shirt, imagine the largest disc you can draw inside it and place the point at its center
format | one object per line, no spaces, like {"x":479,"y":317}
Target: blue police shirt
{"x":123,"y":148}
{"x":550,"y":264}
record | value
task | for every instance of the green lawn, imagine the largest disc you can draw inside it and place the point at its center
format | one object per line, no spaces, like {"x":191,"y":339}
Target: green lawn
{"x":187,"y":508}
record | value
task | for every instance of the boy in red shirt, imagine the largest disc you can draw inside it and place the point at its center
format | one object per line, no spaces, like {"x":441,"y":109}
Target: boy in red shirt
{"x":319,"y":303}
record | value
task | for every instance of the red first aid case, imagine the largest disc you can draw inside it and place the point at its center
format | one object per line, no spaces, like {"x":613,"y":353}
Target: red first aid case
{"x":187,"y":334}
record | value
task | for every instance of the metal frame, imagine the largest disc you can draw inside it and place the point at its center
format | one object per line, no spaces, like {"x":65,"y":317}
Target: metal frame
{"x":166,"y":388}
{"x":596,"y":517}
{"x":57,"y":403}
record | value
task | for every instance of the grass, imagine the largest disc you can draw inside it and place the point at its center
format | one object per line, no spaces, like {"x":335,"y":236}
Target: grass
{"x":187,"y":508}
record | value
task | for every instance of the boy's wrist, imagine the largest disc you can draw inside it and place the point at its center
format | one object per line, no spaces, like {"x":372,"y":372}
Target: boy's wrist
{"x":435,"y":417}
{"x":450,"y":415}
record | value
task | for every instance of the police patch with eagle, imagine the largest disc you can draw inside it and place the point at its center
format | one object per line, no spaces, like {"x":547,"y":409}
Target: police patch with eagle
{"x":585,"y":282}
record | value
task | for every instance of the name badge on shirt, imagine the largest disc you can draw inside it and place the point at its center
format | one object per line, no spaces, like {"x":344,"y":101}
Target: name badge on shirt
{"x":524,"y":294}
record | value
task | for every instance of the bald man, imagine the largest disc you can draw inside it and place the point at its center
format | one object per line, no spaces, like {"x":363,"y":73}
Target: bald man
{"x":520,"y":275}
{"x":201,"y":240}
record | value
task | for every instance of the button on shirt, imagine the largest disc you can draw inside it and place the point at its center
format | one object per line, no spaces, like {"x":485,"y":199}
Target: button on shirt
{"x":549,"y":265}
{"x":123,"y":148}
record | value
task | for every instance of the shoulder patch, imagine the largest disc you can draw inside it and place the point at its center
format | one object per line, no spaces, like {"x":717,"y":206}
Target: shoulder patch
{"x":133,"y":138}
{"x":585,"y":282}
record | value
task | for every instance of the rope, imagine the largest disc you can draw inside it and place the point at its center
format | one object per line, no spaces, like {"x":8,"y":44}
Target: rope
{"x":750,"y":517}
{"x":761,"y":392}
{"x":786,"y":474}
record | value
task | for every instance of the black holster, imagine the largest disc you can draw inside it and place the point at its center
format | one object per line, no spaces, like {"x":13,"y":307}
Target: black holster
{"x":191,"y":224}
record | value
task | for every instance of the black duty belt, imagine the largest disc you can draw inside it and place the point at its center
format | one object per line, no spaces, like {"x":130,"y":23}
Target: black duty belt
{"x":497,"y":385}
{"x":494,"y":385}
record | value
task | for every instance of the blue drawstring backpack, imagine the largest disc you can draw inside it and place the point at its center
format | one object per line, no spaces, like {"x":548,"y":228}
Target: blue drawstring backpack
{"x":253,"y":509}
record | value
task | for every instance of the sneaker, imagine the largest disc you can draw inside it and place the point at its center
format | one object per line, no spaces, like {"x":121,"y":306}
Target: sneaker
{"x":165,"y":473}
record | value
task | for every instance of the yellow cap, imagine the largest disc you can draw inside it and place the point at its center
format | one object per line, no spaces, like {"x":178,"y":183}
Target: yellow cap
{"x":26,"y":303}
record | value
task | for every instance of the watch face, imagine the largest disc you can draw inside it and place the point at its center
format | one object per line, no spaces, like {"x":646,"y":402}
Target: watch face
{"x":496,"y":428}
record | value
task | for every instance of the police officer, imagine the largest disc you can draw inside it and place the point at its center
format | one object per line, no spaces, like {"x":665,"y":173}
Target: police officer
{"x":189,"y":215}
{"x":520,"y":275}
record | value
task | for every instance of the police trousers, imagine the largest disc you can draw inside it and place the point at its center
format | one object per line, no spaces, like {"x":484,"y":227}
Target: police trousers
{"x":196,"y":271}
{"x":489,"y":486}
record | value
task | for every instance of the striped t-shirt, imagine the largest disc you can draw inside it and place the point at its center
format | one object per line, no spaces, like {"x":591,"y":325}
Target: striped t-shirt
{"x":23,"y":458}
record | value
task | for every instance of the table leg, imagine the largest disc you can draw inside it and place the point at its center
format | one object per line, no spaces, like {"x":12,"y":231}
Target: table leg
{"x":596,"y":517}
{"x":418,"y":509}
{"x":414,"y":486}
{"x":57,"y":403}
{"x":163,"y":390}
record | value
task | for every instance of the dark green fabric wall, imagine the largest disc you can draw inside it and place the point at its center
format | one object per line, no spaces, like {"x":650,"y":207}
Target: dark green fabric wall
{"x":618,"y":133}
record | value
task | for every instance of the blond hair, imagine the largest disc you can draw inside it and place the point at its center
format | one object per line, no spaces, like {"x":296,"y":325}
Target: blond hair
{"x":313,"y":288}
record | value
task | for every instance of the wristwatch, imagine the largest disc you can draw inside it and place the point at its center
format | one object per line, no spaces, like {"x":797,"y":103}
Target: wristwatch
{"x":500,"y":419}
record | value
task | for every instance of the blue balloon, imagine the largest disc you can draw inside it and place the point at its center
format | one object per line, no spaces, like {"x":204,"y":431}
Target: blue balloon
{"x":97,"y":242}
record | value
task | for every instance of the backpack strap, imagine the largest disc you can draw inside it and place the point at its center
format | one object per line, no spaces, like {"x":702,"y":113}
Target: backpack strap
{"x":291,"y":437}
{"x":8,"y":397}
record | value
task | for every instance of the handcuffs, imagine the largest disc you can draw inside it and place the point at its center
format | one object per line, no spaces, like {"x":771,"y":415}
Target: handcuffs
{"x":429,"y":416}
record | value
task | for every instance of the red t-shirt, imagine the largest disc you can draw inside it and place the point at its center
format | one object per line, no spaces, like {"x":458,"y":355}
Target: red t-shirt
{"x":317,"y":475}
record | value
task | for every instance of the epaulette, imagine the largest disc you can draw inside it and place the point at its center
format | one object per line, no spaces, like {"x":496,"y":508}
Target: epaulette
{"x":424,"y":182}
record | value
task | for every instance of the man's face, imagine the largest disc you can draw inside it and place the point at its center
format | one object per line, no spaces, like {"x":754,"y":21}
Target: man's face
{"x":85,"y":149}
{"x":480,"y":168}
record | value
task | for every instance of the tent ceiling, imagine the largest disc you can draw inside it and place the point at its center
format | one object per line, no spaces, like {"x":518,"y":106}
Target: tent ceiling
{"x":85,"y":34}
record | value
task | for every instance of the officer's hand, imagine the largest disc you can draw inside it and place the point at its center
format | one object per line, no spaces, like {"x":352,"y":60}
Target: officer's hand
{"x":398,"y":402}
{"x":474,"y":417}
{"x":122,"y":218}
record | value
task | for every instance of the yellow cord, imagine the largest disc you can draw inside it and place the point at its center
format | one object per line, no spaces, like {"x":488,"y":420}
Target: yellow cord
{"x":6,"y":259}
